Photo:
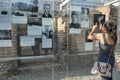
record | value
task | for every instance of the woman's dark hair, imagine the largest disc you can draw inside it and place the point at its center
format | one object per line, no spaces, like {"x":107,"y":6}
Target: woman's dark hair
{"x":111,"y":28}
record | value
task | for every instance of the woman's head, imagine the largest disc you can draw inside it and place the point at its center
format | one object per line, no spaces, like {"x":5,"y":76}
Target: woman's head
{"x":110,"y":28}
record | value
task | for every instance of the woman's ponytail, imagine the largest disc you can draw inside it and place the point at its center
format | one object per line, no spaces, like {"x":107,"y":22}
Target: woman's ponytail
{"x":111,"y":28}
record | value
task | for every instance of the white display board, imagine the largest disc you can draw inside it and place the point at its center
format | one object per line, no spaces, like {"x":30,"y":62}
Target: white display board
{"x":5,"y":43}
{"x":5,"y":26}
{"x":47,"y":21}
{"x":46,"y":43}
{"x":88,"y":46}
{"x":27,"y":41}
{"x":35,"y":30}
{"x":19,"y":19}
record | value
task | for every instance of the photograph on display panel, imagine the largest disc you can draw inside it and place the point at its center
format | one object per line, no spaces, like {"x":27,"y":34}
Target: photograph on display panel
{"x":84,"y":14}
{"x":23,"y":9}
{"x":47,"y":32}
{"x":47,"y":35}
{"x":34,"y":21}
{"x":75,"y":22}
{"x":5,"y":11}
{"x":5,"y":35}
{"x":5,"y":38}
{"x":84,"y":17}
{"x":46,"y":7}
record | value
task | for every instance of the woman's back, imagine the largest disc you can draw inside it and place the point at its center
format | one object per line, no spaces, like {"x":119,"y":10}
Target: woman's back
{"x":105,"y":46}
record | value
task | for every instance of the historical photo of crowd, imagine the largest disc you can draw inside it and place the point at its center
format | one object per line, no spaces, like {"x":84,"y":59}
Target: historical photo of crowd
{"x":23,"y":9}
{"x":5,"y":12}
{"x":5,"y":35}
{"x":34,"y":21}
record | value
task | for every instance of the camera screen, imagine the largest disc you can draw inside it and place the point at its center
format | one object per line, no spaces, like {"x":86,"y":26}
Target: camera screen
{"x":99,"y":19}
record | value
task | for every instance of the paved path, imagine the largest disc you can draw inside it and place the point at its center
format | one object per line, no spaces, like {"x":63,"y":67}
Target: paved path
{"x":83,"y":74}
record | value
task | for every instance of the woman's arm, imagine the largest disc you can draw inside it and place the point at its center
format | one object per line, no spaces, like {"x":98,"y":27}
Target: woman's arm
{"x":94,"y":37}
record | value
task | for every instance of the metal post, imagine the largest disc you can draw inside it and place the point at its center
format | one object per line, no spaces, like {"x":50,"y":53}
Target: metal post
{"x":118,"y":32}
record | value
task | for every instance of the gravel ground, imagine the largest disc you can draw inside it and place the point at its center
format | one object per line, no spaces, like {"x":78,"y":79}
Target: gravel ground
{"x":83,"y":74}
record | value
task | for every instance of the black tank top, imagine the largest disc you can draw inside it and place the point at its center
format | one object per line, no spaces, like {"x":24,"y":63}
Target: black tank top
{"x":104,"y":49}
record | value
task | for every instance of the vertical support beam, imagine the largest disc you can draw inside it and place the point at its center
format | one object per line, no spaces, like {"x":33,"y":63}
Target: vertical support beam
{"x":118,"y":31}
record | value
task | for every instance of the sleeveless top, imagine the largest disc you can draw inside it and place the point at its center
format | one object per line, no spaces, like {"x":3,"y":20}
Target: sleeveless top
{"x":104,"y":49}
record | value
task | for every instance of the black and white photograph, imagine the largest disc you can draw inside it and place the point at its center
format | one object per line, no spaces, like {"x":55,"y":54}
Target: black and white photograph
{"x":75,"y":19}
{"x":34,"y":21}
{"x":84,"y":14}
{"x":35,"y":31}
{"x":84,"y":17}
{"x":47,"y":35}
{"x":47,"y":32}
{"x":46,"y":11}
{"x":5,"y":35}
{"x":5,"y":11}
{"x":75,"y":22}
{"x":46,"y":7}
{"x":99,"y":19}
{"x":21,"y":9}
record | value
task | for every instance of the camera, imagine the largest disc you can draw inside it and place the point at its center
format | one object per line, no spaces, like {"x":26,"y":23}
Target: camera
{"x":99,"y":19}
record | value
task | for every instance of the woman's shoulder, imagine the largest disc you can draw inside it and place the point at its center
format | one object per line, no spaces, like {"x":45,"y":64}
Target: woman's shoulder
{"x":99,"y":36}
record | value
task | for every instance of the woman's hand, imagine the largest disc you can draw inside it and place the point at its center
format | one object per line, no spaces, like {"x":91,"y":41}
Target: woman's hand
{"x":90,"y":36}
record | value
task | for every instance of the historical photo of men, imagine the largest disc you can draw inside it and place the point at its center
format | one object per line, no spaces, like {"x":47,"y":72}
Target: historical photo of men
{"x":75,"y":22}
{"x":47,"y":10}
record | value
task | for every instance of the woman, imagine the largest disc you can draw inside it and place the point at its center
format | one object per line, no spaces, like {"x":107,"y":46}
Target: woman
{"x":107,"y":39}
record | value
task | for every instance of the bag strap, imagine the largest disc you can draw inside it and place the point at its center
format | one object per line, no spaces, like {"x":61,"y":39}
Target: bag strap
{"x":104,"y":38}
{"x":110,"y":52}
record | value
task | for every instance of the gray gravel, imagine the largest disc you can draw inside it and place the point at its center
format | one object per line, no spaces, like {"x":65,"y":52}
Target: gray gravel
{"x":83,"y":74}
